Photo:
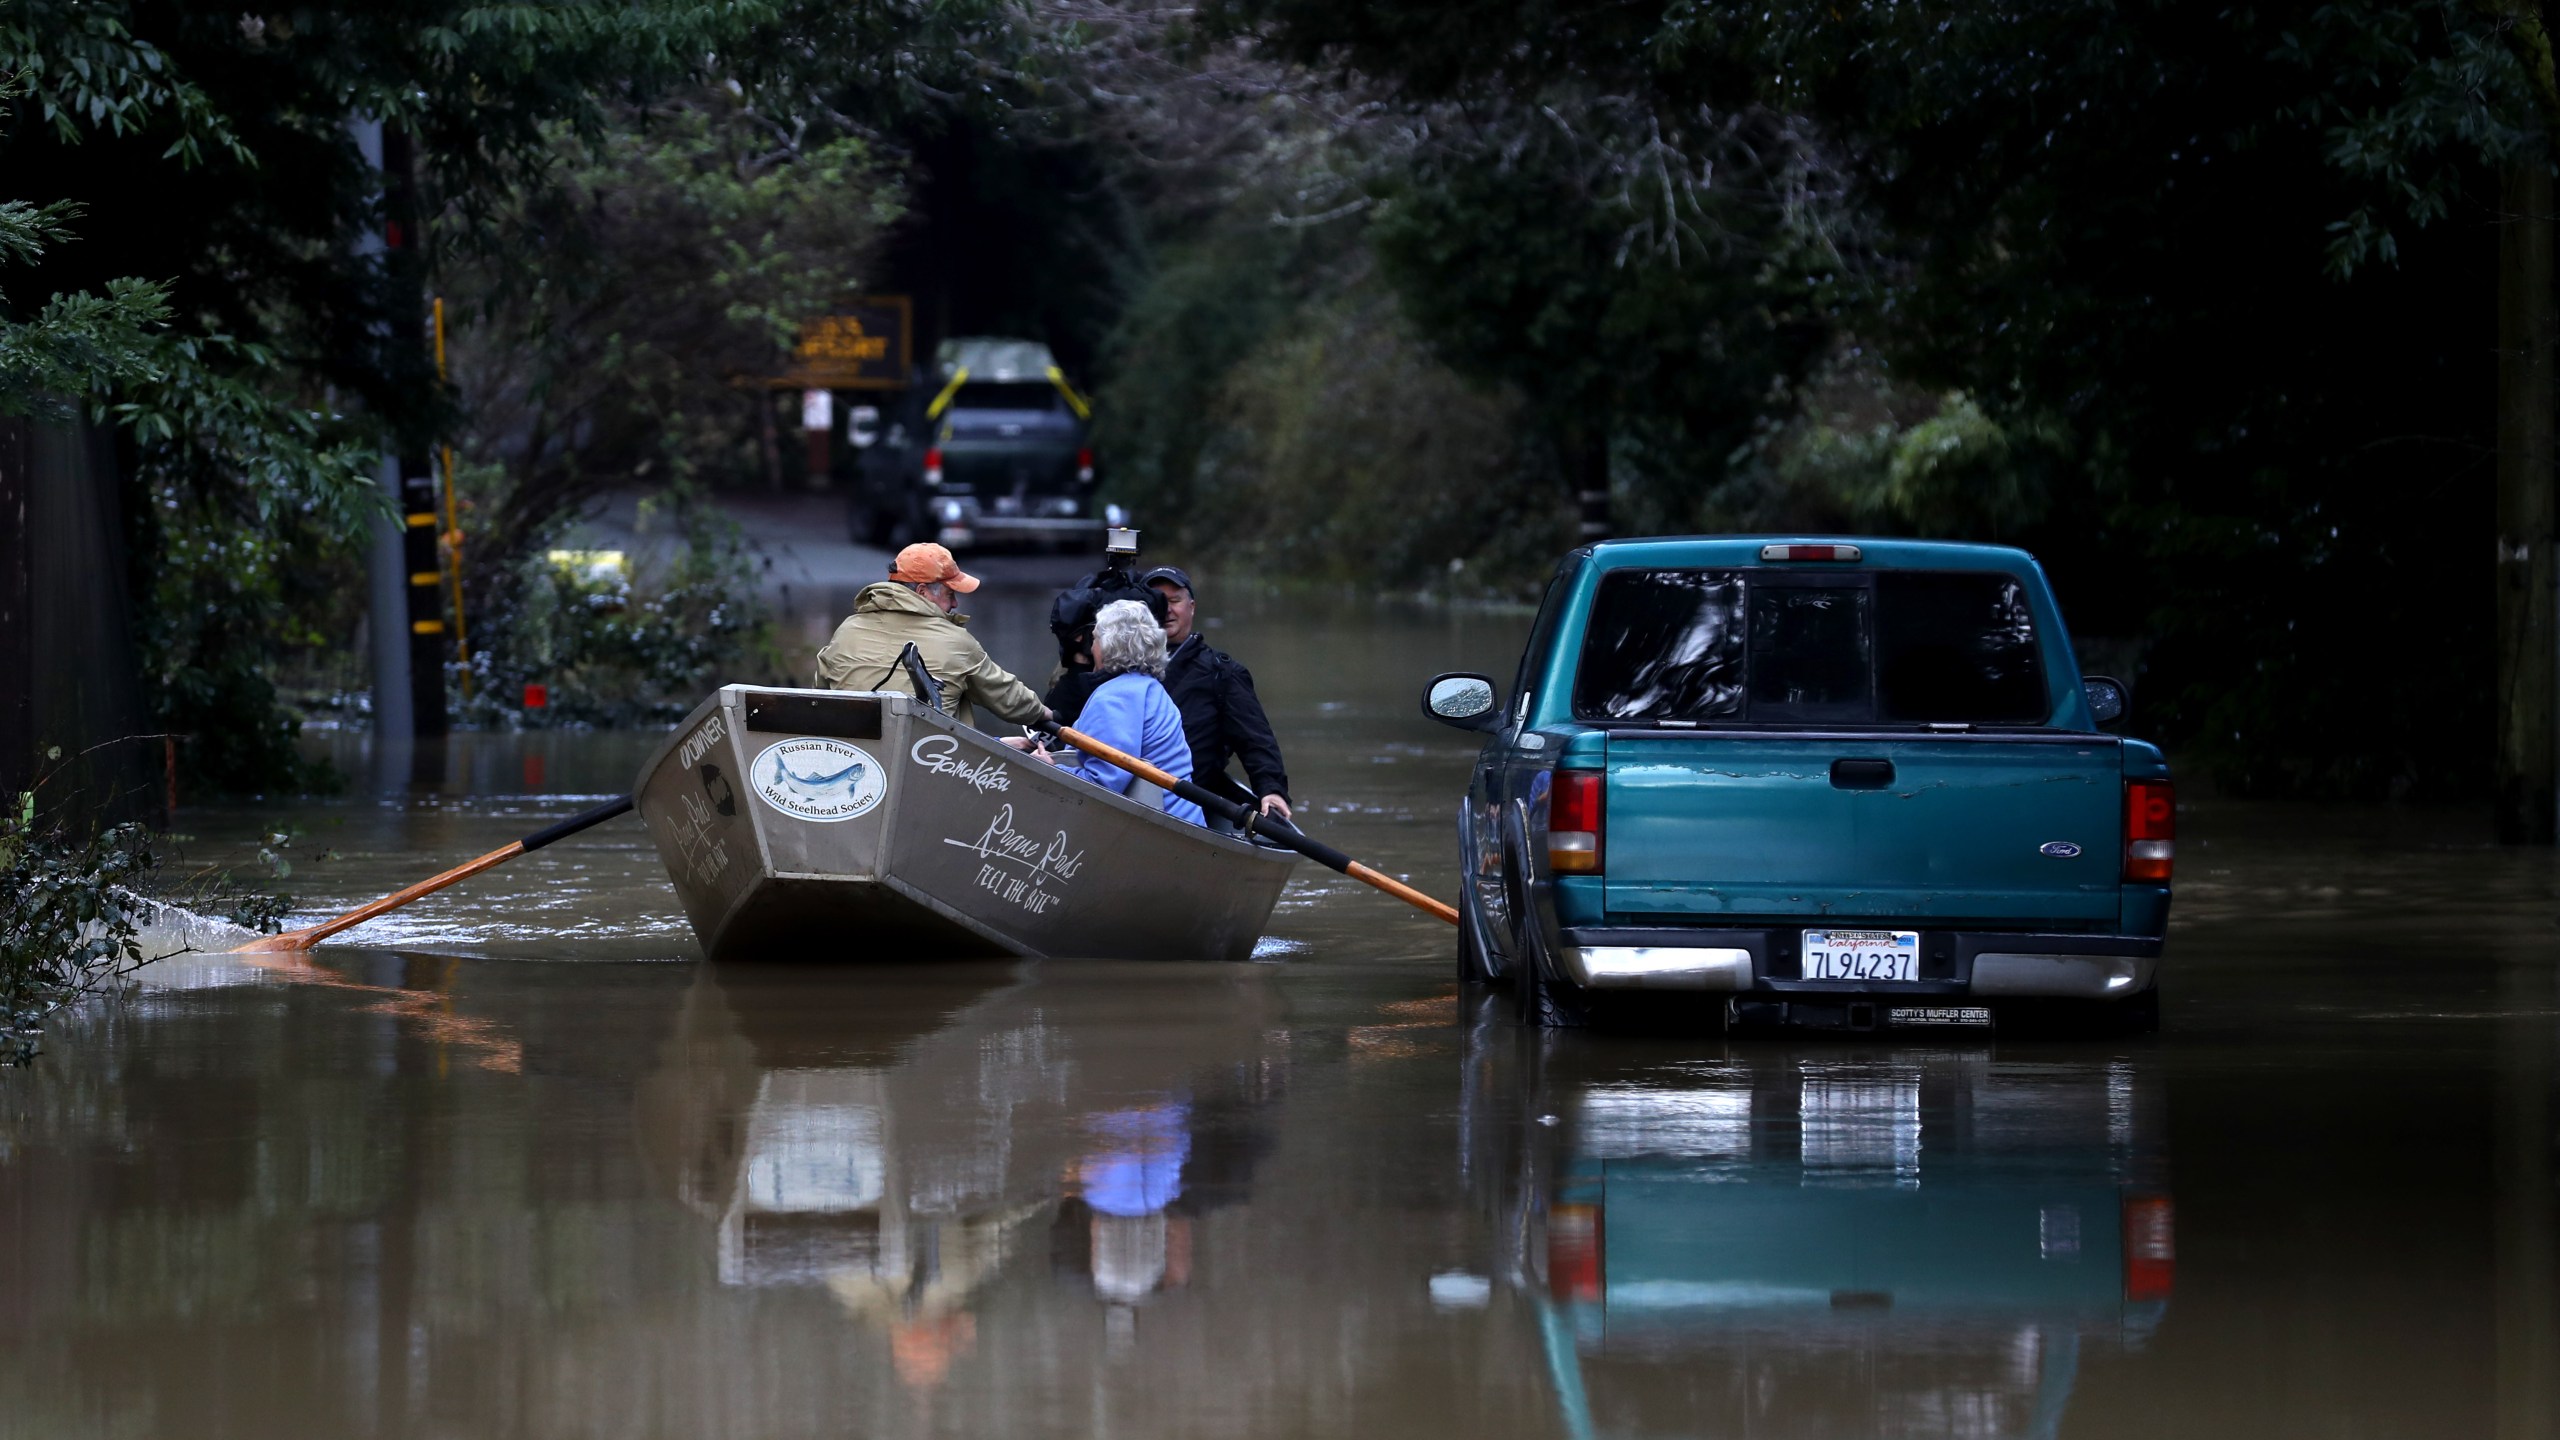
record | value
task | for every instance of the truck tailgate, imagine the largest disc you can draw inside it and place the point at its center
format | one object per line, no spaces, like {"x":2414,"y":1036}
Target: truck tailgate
{"x":1967,"y":827}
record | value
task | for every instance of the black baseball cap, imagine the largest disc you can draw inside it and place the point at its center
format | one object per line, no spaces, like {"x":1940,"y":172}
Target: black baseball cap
{"x":1174,"y":573}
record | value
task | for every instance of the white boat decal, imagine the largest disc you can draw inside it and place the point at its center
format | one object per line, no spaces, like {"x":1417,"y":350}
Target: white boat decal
{"x":817,"y":779}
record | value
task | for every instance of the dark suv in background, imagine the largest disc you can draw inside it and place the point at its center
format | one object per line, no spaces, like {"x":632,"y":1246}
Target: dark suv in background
{"x":993,"y":448}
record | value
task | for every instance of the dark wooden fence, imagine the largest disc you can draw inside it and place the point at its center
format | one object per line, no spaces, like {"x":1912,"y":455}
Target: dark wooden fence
{"x":70,"y":676}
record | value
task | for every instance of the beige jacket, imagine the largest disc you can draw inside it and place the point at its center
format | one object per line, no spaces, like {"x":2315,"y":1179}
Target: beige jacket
{"x":886,"y":618}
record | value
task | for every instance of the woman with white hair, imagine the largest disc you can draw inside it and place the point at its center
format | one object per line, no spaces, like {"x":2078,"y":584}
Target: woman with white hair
{"x":1130,"y":711}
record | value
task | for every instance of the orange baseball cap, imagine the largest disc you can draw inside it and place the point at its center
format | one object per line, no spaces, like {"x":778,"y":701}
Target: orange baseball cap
{"x":924,"y":564}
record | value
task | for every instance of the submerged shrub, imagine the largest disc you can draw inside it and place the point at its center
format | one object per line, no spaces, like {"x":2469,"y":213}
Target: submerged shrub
{"x":612,"y":642}
{"x":70,"y":918}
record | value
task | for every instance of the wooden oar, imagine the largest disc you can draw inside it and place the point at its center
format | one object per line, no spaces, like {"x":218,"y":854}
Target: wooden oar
{"x":1254,"y":822}
{"x":309,"y":936}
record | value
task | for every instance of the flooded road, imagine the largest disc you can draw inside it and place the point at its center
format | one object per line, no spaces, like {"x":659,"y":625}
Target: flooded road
{"x":513,"y":1164}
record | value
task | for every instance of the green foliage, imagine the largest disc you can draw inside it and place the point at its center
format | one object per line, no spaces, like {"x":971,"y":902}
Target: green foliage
{"x":640,"y":646}
{"x":1340,"y":450}
{"x":73,"y":905}
{"x":77,"y":344}
{"x":2410,"y":100}
{"x":232,"y":478}
{"x":1201,"y":311}
{"x":214,"y":147}
{"x":2200,"y":308}
{"x":210,"y":150}
{"x":1945,"y":468}
{"x":86,"y":72}
{"x":1509,"y":316}
{"x":208,"y":432}
{"x":201,"y":414}
{"x":230,"y":590}
{"x":681,"y":248}
{"x":1522,"y":266}
{"x":70,"y":918}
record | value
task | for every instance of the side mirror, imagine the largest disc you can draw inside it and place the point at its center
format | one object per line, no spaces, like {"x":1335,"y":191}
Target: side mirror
{"x":2106,"y":699}
{"x":862,"y":426}
{"x":1466,"y":701}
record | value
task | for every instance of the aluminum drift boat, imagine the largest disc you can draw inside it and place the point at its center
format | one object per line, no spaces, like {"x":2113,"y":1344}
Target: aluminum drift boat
{"x":834,"y":825}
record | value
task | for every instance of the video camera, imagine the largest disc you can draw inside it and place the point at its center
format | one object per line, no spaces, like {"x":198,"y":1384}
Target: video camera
{"x":1071,"y":614}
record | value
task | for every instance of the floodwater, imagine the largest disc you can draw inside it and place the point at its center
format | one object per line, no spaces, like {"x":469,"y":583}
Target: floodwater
{"x":515,"y":1164}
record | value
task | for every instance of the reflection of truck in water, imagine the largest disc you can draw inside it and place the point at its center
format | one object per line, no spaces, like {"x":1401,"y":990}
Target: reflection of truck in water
{"x":1836,"y":1243}
{"x":993,"y":447}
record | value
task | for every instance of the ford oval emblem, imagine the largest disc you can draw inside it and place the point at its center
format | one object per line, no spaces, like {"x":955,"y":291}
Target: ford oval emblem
{"x":2059,"y":850}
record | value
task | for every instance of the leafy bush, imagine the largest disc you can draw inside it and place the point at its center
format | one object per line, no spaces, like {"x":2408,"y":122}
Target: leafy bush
{"x":227,"y":603}
{"x":69,"y":918}
{"x":73,"y":904}
{"x":623,"y":647}
{"x":607,"y":317}
{"x":1343,"y":451}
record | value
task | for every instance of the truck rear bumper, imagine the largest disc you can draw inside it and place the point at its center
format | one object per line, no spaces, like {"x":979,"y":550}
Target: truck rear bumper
{"x":964,"y":520}
{"x":1986,"y":964}
{"x":996,"y":529}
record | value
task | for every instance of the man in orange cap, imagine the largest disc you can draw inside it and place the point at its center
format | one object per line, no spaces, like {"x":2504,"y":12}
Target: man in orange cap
{"x":914,"y":607}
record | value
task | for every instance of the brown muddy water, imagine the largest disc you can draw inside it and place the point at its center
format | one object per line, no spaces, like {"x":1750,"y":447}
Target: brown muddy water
{"x":515,"y":1164}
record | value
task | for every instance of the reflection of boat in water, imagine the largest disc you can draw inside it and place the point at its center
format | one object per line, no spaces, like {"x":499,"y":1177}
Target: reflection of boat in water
{"x":902,"y":1143}
{"x":776,"y":1108}
{"x":793,"y":820}
{"x":1803,"y":1242}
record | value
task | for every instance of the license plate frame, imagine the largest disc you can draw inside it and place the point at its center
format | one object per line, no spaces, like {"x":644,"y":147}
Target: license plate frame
{"x":1939,"y":1017}
{"x":1873,"y":957}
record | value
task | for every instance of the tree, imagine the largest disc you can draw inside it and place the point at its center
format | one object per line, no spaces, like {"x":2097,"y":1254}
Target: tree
{"x":1646,"y":327}
{"x":682,"y":248}
{"x":209,"y":153}
{"x":188,"y":404}
{"x":2129,"y":236}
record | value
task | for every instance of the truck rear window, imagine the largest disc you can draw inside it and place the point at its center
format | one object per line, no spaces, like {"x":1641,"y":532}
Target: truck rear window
{"x":1891,"y":647}
{"x":1008,"y":395}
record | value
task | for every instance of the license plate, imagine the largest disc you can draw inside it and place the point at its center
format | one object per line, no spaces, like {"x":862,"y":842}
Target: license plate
{"x":1861,"y":954}
{"x":1905,"y":1017}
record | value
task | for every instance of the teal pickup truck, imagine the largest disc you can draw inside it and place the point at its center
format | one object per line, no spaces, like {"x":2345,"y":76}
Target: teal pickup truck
{"x":1846,"y":783}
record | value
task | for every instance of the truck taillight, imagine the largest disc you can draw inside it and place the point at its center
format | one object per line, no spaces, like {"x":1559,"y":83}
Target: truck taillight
{"x":933,"y":466}
{"x":2150,"y":1247}
{"x":1574,"y":823}
{"x":2150,"y":830}
{"x":1084,"y":466}
{"x":1810,"y":552}
{"x":1574,"y":1252}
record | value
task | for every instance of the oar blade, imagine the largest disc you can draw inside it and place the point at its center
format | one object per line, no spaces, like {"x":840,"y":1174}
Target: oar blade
{"x":309,"y":936}
{"x":289,"y":940}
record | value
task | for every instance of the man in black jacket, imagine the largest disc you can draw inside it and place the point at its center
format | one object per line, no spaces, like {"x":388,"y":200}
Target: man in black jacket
{"x":1221,"y":715}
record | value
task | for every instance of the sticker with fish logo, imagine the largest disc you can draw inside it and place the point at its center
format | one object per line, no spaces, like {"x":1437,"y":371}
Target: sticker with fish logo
{"x":814,"y":779}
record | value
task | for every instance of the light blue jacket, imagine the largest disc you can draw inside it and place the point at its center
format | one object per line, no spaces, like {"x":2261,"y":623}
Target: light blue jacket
{"x":1132,"y":713}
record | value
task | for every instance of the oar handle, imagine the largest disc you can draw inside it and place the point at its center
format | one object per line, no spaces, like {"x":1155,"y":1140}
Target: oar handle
{"x":309,"y":936}
{"x":1255,"y":822}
